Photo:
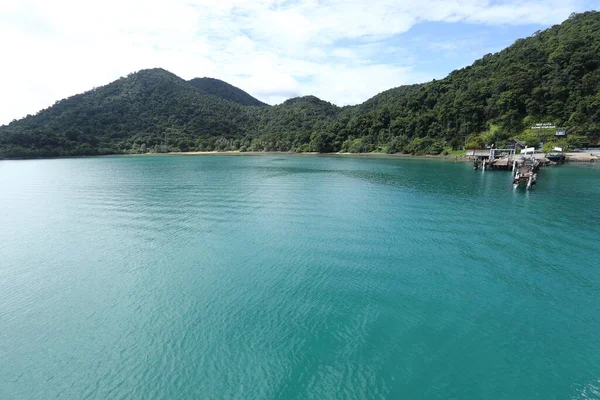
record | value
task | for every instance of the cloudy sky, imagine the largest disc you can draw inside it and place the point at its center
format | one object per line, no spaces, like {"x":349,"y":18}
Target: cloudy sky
{"x":343,"y":51}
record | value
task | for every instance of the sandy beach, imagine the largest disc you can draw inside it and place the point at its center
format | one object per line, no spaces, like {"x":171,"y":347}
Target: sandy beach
{"x":593,"y":156}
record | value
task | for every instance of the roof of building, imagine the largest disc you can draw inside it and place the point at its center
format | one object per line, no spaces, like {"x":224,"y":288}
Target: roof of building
{"x":519,"y":142}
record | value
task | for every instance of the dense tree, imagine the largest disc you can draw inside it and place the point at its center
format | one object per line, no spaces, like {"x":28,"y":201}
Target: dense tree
{"x":225,"y":91}
{"x":552,"y":76}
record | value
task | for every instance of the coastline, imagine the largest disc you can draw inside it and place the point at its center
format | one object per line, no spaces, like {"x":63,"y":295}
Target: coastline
{"x":262,"y":153}
{"x":255,"y":154}
{"x":571,"y":157}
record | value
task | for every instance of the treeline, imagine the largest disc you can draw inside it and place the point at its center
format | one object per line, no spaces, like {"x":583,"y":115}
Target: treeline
{"x":552,"y":76}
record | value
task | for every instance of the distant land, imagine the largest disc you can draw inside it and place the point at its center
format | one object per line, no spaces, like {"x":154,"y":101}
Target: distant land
{"x":550,"y":77}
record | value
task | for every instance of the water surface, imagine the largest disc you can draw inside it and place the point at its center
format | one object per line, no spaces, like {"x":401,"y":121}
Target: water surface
{"x":296,"y":277}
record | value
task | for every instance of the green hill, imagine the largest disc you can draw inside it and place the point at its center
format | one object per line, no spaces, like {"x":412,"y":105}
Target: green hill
{"x":552,"y":76}
{"x":142,"y":111}
{"x":225,"y":91}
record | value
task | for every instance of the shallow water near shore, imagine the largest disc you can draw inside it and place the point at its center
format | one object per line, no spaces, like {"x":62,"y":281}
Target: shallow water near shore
{"x":296,"y":277}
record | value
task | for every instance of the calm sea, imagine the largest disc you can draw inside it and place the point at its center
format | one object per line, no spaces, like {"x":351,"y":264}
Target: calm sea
{"x":296,"y":277}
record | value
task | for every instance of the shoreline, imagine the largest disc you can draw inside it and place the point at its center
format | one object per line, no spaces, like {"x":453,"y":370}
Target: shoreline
{"x":571,"y":157}
{"x":262,"y":153}
{"x":248,"y":153}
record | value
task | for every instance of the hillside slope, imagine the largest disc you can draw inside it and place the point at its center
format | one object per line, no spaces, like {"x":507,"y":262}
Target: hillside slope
{"x":141,"y":111}
{"x":551,"y":76}
{"x":224,"y":91}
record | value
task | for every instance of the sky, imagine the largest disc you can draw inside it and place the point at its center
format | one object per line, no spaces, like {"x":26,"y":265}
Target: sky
{"x":342,"y":51}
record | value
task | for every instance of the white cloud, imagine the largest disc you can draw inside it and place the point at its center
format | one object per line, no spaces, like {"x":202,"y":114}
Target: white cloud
{"x":271,"y":48}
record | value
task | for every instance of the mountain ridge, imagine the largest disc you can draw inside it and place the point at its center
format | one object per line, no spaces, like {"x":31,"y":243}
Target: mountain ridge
{"x":551,"y":76}
{"x":225,"y":91}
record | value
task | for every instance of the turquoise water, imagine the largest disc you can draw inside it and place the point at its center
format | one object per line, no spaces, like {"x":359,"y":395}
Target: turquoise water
{"x":296,"y":277}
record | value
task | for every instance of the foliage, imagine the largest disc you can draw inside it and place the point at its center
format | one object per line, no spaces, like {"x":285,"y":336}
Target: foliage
{"x":355,"y":146}
{"x":552,"y":76}
{"x":225,"y":91}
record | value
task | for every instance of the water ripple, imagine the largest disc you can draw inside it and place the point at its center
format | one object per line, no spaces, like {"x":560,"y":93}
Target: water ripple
{"x":295,"y":277}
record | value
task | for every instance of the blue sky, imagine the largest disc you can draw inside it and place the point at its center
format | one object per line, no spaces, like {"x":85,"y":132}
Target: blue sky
{"x":440,"y":47}
{"x":343,"y":51}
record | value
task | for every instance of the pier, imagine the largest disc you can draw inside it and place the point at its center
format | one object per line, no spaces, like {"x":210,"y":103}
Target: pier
{"x":492,"y":158}
{"x":525,"y":172}
{"x":524,"y":168}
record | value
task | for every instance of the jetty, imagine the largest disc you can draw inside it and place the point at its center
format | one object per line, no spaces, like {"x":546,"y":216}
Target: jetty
{"x":492,"y":158}
{"x":525,"y":173}
{"x":524,"y":167}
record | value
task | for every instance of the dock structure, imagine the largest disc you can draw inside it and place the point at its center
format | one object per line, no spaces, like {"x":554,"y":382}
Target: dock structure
{"x":524,"y":168}
{"x":492,"y":158}
{"x":525,"y":172}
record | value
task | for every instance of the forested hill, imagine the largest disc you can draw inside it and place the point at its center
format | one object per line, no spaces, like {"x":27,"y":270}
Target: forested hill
{"x":552,"y":76}
{"x":225,"y":91}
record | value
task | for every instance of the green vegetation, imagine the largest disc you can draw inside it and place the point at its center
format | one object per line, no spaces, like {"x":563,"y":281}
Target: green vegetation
{"x":552,"y":76}
{"x":225,"y":91}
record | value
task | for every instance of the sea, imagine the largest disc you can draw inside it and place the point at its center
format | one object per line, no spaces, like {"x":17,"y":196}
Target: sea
{"x":297,"y":277}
